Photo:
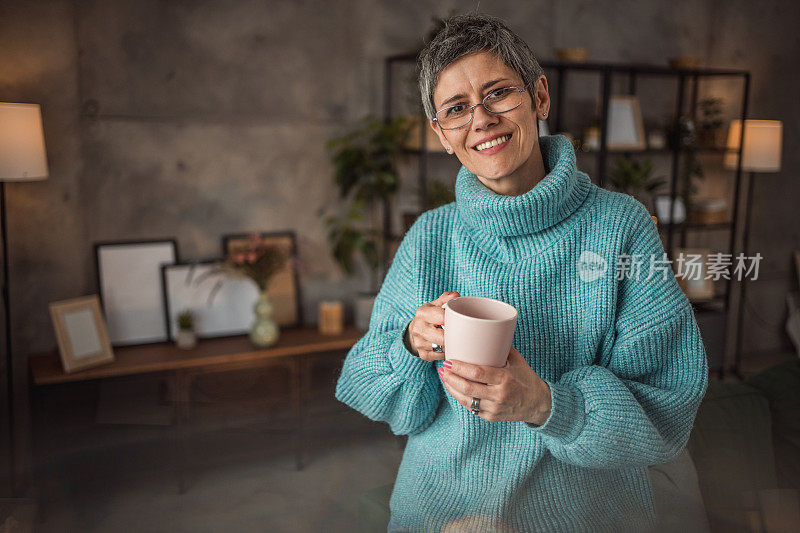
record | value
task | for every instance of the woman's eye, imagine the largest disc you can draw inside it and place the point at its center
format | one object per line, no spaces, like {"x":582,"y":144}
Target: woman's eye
{"x":456,"y":109}
{"x":500,"y":93}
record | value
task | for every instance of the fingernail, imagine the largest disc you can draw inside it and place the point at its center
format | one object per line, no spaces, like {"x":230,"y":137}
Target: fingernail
{"x":441,"y":372}
{"x":447,"y":364}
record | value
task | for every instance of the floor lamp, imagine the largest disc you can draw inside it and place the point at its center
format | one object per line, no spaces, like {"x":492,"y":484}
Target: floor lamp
{"x":22,"y":158}
{"x":762,"y":153}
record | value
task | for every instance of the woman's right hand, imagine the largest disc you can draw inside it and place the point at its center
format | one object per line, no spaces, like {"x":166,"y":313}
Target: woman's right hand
{"x":425,"y":329}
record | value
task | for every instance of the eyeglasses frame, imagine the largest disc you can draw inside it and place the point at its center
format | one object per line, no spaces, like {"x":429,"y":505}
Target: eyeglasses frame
{"x":483,"y":103}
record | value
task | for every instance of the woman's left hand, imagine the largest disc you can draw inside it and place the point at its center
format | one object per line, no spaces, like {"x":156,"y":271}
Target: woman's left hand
{"x":514,"y":392}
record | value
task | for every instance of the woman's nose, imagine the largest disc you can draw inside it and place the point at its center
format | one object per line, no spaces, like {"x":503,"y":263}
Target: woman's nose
{"x":482,"y":119}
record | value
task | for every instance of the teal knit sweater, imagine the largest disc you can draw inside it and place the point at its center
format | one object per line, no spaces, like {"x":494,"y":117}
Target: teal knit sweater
{"x":623,"y":359}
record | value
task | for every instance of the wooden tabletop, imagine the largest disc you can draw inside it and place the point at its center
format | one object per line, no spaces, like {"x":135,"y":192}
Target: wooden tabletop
{"x":164,"y":356}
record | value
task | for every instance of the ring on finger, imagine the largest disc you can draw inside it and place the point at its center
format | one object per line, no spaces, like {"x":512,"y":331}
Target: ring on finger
{"x":476,"y":406}
{"x":436,"y":348}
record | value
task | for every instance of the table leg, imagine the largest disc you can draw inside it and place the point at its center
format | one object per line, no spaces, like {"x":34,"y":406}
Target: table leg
{"x":297,"y":404}
{"x":181,"y":409}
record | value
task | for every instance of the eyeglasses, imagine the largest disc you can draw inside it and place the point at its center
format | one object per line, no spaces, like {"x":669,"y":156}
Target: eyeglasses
{"x":497,"y":101}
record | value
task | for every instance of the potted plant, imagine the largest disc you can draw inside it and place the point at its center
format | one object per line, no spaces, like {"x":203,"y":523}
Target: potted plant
{"x":685,"y":140}
{"x":186,"y":338}
{"x":440,"y":194}
{"x":708,"y":134}
{"x":259,"y":262}
{"x":633,"y":177}
{"x":365,"y":172}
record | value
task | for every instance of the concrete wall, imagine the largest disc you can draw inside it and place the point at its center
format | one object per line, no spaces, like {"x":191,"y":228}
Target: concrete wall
{"x":195,"y":119}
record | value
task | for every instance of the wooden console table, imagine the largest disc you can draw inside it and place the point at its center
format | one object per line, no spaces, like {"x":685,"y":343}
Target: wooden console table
{"x":210,"y":355}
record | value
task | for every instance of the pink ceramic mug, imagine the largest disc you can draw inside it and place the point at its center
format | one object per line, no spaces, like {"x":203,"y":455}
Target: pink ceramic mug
{"x":478,"y":330}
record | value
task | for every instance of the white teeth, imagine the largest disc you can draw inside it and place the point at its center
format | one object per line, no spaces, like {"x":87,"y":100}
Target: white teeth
{"x":493,"y":142}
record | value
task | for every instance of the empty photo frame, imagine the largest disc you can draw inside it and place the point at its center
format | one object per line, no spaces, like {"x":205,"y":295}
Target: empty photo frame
{"x":81,"y":333}
{"x":284,"y":289}
{"x":129,"y":284}
{"x":222,"y":305}
{"x":625,"y":125}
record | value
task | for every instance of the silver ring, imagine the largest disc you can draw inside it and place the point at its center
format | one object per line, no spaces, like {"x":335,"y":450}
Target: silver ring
{"x":436,"y":347}
{"x":476,"y":406}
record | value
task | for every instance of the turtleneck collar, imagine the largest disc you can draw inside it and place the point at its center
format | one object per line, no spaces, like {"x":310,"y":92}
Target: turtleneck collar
{"x":553,"y":199}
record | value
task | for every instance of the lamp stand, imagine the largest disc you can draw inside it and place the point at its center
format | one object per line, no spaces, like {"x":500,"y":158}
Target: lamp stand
{"x":737,"y":364}
{"x":12,"y":463}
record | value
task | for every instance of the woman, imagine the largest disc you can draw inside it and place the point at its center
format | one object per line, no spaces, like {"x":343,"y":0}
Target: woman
{"x":607,"y":368}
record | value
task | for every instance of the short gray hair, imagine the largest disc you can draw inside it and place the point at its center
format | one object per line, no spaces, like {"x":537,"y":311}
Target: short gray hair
{"x":467,"y":34}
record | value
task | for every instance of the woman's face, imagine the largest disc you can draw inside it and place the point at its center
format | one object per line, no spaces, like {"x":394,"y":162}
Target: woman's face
{"x":468,"y":80}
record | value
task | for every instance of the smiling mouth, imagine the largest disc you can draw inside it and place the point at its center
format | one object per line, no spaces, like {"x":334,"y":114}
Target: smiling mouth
{"x":494,"y":142}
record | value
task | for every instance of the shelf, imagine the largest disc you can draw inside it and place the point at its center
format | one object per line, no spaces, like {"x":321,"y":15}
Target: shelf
{"x":704,"y":149}
{"x":414,"y":151}
{"x":713,"y":305}
{"x":639,"y":68}
{"x":695,"y":226}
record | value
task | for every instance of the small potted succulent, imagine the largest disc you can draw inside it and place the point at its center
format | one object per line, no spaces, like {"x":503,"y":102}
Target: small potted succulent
{"x":186,"y":338}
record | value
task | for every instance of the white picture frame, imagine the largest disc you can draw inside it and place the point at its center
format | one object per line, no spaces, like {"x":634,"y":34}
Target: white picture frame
{"x":129,"y":286}
{"x":625,"y":124}
{"x":222,"y":305}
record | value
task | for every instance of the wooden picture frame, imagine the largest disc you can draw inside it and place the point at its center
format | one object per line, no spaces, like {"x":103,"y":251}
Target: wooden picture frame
{"x":284,"y":287}
{"x":129,"y":286}
{"x":625,"y":125}
{"x":696,"y":288}
{"x":222,"y":305}
{"x":81,"y":333}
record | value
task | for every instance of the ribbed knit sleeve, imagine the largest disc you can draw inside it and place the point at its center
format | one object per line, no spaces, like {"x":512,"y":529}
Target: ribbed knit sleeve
{"x":381,"y":378}
{"x":638,"y":404}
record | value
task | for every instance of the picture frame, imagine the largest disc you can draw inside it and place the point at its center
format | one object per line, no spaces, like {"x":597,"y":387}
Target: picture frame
{"x":81,"y":333}
{"x":284,"y":287}
{"x":625,"y":124}
{"x":128,"y":277}
{"x":222,"y":305}
{"x":697,"y":288}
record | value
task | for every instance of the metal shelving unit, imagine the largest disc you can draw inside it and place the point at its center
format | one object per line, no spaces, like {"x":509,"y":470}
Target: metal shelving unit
{"x":686,"y":79}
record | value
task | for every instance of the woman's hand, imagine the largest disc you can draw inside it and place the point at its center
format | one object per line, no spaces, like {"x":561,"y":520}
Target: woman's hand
{"x":425,"y":329}
{"x":514,"y":392}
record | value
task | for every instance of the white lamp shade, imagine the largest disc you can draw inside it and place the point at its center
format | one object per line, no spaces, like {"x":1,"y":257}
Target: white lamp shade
{"x":762,"y":145}
{"x":22,"y":152}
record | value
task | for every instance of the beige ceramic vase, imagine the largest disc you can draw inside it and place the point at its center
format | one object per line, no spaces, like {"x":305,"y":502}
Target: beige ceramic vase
{"x":264,"y":332}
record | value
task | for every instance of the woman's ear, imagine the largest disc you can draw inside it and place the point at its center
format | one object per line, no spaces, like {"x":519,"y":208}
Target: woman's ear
{"x":541,"y":98}
{"x":442,"y":138}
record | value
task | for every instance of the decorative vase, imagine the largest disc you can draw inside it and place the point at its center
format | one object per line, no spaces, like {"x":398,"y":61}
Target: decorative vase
{"x":186,"y":339}
{"x":264,"y":331}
